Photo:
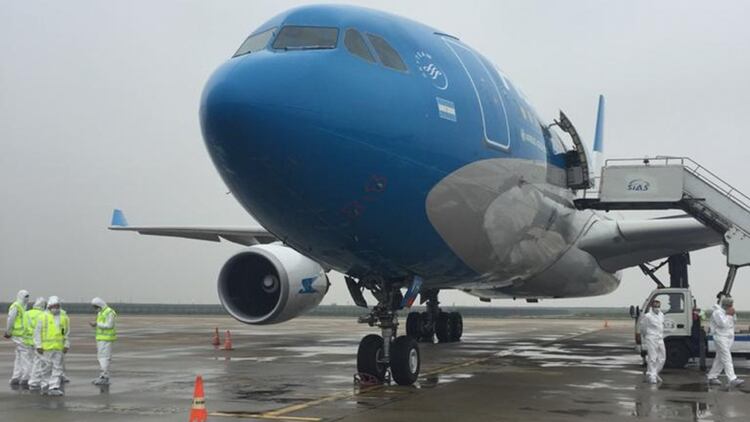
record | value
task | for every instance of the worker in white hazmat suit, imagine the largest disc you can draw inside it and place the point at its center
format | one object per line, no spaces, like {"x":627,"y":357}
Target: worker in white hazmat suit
{"x":106,"y":334}
{"x":33,"y":316}
{"x":51,"y":341}
{"x":15,"y":330}
{"x":722,"y":324}
{"x":652,"y":336}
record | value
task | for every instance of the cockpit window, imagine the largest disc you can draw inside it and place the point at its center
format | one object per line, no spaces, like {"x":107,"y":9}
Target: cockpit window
{"x":255,"y":42}
{"x":356,"y":45}
{"x":306,"y":38}
{"x":387,"y":54}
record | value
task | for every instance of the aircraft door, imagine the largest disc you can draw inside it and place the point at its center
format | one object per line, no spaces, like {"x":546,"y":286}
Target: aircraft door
{"x":488,"y":94}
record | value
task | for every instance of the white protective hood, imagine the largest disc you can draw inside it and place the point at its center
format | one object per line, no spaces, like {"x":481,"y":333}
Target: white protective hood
{"x":40,"y":303}
{"x":23,"y":296}
{"x":97,"y":301}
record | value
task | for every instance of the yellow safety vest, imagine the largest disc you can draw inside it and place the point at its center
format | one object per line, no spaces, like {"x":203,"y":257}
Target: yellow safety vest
{"x":106,"y":334}
{"x":19,"y":327}
{"x":53,"y":336}
{"x":32,"y":318}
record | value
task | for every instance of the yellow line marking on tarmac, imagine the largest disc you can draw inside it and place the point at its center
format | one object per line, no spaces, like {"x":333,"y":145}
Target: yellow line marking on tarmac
{"x":332,"y":397}
{"x":348,"y":394}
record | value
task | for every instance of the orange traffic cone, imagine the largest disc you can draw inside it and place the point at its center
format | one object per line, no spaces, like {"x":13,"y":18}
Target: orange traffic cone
{"x":228,"y":341}
{"x":215,"y":339}
{"x":198,"y":412}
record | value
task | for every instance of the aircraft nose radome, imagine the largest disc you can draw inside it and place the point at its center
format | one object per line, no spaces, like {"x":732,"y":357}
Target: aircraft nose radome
{"x":237,"y":117}
{"x":219,"y":103}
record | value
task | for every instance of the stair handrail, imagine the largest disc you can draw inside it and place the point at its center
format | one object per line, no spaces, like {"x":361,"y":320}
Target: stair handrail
{"x":712,"y":179}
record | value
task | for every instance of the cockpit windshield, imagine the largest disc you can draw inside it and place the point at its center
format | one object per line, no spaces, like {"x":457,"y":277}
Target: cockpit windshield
{"x":255,"y":42}
{"x":306,"y":38}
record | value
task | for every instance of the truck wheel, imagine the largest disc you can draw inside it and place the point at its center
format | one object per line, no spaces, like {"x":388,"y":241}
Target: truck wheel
{"x":677,"y":354}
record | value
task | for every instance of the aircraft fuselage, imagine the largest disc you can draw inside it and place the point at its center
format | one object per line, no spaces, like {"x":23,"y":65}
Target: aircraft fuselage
{"x":439,"y":168}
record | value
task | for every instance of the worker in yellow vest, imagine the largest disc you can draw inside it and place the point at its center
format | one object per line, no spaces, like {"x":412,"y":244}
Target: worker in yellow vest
{"x":15,"y":329}
{"x":106,"y":334}
{"x":51,"y":341}
{"x":32,"y":376}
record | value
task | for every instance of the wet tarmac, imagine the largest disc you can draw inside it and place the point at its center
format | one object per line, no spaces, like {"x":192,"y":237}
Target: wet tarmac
{"x":504,"y":369}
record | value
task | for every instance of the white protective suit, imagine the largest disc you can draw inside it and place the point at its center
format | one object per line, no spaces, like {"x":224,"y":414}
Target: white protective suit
{"x":104,"y":348}
{"x":33,"y":377}
{"x":652,"y":336}
{"x":52,"y":361}
{"x":722,"y":328}
{"x":21,"y":363}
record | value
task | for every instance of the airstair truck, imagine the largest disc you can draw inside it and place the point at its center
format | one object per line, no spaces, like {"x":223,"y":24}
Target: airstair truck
{"x":679,"y":183}
{"x":686,"y":335}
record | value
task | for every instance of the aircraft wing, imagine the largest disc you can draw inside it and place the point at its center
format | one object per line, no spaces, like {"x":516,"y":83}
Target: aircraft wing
{"x":243,"y":235}
{"x":627,"y":243}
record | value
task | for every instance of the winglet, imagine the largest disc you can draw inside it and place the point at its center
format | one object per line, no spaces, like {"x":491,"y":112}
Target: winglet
{"x":118,"y":219}
{"x":599,"y":133}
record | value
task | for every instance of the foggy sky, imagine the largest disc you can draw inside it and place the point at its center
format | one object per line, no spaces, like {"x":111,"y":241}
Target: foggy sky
{"x":99,"y":109}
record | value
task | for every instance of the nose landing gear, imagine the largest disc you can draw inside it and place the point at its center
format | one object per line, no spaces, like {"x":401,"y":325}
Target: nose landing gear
{"x":379,"y":353}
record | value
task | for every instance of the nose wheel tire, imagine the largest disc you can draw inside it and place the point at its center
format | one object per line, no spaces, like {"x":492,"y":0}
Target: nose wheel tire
{"x":369,"y":356}
{"x":405,"y":360}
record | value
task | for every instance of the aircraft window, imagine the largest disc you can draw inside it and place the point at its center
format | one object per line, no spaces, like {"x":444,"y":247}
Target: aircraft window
{"x":255,"y":42}
{"x":356,"y":45}
{"x":306,"y":38}
{"x":387,"y":54}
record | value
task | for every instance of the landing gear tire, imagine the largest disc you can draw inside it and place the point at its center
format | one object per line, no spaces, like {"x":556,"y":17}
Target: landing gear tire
{"x":457,"y":322}
{"x":369,"y":356}
{"x":405,"y":360}
{"x":444,"y":328}
{"x":414,"y":325}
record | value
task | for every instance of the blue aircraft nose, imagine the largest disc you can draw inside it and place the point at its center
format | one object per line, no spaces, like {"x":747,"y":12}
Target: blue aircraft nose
{"x":242,"y":115}
{"x":270,"y":127}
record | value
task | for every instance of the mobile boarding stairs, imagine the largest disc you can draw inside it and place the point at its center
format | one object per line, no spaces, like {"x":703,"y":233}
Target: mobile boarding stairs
{"x":678,"y":183}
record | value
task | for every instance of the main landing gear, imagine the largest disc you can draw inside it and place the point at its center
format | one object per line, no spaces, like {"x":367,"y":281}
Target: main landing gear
{"x":379,"y":353}
{"x":448,"y":326}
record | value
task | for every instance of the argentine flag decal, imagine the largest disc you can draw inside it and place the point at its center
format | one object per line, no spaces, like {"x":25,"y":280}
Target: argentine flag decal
{"x":446,"y":109}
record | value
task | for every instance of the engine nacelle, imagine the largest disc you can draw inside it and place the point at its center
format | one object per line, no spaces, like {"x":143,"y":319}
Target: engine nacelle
{"x":268,"y":284}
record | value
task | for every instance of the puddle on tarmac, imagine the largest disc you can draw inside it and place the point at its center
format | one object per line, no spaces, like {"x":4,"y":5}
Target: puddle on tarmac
{"x":678,"y":409}
{"x":556,"y":356}
{"x":581,"y":412}
{"x":310,"y":351}
{"x":248,"y":358}
{"x":590,"y":401}
{"x":695,"y":387}
{"x":601,"y":385}
{"x":432,"y":381}
{"x":269,"y":394}
{"x":335,"y":379}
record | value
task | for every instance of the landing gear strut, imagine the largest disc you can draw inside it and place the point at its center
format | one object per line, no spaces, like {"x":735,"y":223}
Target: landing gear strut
{"x":448,"y":326}
{"x":379,"y":353}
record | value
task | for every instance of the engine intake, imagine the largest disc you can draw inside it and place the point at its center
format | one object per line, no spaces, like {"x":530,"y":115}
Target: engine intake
{"x":268,"y":284}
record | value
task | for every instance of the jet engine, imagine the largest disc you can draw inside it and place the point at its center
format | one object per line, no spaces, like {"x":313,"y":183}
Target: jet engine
{"x":268,"y":284}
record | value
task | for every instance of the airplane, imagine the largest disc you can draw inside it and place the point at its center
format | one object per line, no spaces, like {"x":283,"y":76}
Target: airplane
{"x":373,"y":145}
